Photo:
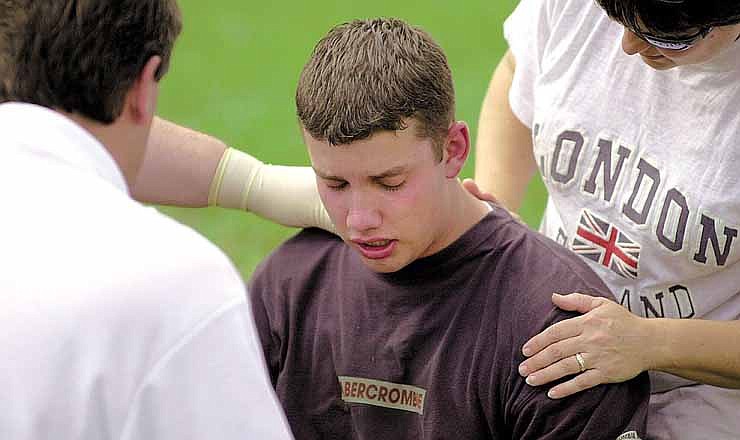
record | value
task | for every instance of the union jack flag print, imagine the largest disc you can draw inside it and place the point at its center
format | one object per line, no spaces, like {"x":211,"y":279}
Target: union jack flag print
{"x":602,"y":242}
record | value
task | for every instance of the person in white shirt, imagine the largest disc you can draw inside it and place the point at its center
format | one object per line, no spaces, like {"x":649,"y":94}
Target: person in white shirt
{"x":628,"y":111}
{"x":116,"y":322}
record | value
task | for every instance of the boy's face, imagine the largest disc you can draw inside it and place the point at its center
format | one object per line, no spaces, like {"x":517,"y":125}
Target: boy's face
{"x":386,"y":196}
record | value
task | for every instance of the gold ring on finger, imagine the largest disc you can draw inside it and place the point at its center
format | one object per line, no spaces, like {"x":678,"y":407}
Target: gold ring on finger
{"x":581,"y":363}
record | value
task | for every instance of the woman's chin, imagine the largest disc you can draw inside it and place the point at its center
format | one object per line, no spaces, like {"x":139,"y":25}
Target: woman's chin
{"x":658,"y":62}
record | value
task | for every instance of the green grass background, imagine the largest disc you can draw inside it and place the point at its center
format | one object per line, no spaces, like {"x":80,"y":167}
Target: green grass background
{"x":235,"y":69}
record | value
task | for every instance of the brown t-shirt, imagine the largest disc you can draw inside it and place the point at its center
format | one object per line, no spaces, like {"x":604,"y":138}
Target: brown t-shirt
{"x":430,"y":351}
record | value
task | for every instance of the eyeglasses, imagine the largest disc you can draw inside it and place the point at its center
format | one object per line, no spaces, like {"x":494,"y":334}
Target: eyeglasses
{"x":677,"y":44}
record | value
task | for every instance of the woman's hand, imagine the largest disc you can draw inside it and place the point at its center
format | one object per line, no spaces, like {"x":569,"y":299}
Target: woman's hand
{"x":474,"y":189}
{"x":612,"y":344}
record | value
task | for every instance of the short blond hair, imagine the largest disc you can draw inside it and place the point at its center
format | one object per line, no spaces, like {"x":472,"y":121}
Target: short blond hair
{"x":367,"y":76}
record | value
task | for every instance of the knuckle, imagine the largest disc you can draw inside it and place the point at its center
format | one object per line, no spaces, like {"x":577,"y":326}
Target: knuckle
{"x":554,"y":333}
{"x":593,"y":320}
{"x":568,"y":368}
{"x":600,"y":338}
{"x":599,"y":378}
{"x":556,"y":352}
{"x":580,"y":381}
{"x":597,"y":301}
{"x":584,"y":381}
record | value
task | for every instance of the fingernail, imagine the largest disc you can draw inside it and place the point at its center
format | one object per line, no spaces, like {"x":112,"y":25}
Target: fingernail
{"x":530,"y":380}
{"x":523,"y":371}
{"x":527,"y":350}
{"x":556,"y":294}
{"x":552,"y":394}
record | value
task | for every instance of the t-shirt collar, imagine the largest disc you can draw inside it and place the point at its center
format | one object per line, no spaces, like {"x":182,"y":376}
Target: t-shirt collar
{"x":39,"y":130}
{"x":442,"y":263}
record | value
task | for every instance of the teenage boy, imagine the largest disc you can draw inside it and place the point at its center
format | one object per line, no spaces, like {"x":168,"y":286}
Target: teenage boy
{"x":410,"y":324}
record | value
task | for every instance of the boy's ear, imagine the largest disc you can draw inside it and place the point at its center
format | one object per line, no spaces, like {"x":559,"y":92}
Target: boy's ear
{"x":141,"y":100}
{"x":456,"y":149}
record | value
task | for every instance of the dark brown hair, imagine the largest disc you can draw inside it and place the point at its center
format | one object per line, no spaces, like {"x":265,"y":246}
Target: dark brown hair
{"x":370,"y":75}
{"x":12,"y":17}
{"x":672,"y":17}
{"x":83,"y":56}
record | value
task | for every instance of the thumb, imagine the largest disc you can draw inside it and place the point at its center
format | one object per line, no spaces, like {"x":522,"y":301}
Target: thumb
{"x":576,"y":302}
{"x":474,"y":189}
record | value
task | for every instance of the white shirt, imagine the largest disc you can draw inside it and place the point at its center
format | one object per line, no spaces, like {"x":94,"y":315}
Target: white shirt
{"x":642,"y":172}
{"x":115,"y":321}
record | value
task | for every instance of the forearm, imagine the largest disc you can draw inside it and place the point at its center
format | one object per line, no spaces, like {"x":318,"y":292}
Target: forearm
{"x":504,"y":162}
{"x":284,"y":194}
{"x":186,"y":168}
{"x":701,"y":350}
{"x":179,"y":166}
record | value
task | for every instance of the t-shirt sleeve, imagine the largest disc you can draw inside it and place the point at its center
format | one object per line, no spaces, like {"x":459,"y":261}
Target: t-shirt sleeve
{"x":212,"y":384}
{"x":608,"y":411}
{"x":262,"y":295}
{"x":527,"y":31}
{"x":613,"y":411}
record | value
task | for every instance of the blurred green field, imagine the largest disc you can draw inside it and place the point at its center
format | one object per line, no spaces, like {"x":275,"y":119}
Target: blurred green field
{"x":235,"y":69}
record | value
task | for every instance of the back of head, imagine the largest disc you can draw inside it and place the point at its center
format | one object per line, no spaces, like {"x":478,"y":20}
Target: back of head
{"x":82,"y":56}
{"x":672,"y":17}
{"x":369,"y":75}
{"x":12,"y":17}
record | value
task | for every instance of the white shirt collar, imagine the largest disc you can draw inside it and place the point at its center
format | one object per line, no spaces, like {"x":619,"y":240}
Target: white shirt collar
{"x":39,"y":130}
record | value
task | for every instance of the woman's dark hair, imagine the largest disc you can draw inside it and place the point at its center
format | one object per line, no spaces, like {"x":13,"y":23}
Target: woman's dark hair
{"x":672,"y":17}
